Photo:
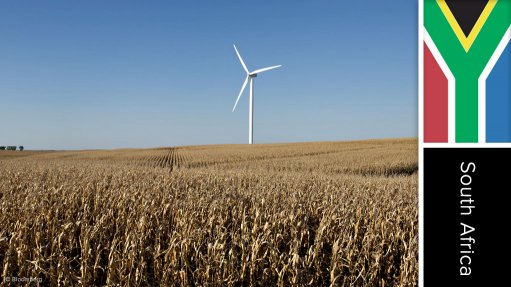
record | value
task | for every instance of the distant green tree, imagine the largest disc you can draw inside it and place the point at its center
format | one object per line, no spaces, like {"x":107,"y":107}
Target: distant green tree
{"x":21,"y":148}
{"x":2,"y":147}
{"x":12,"y":147}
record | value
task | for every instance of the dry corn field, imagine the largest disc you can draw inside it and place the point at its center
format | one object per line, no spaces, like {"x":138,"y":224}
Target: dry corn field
{"x":304,"y":214}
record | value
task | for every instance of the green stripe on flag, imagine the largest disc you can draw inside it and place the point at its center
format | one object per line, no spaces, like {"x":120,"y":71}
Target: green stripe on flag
{"x":466,"y":110}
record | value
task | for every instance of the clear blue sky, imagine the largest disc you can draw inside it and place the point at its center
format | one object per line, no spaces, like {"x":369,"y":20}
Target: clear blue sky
{"x":111,"y":74}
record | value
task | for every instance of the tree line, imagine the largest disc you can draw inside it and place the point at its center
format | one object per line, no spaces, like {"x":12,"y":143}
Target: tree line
{"x":12,"y":147}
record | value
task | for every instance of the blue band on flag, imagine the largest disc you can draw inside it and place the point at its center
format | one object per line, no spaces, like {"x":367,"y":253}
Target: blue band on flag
{"x":498,"y":100}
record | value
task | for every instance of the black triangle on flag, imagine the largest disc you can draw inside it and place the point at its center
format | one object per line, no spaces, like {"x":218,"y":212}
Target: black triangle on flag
{"x":466,"y":12}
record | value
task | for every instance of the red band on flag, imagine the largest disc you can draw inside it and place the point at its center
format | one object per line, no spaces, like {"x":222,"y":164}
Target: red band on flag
{"x":435,"y":100}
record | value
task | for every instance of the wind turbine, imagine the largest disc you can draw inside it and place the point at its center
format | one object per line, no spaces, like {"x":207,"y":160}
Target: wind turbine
{"x":251,"y":76}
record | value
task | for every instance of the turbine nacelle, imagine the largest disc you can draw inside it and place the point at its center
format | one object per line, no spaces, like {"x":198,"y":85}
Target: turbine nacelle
{"x":252,"y":75}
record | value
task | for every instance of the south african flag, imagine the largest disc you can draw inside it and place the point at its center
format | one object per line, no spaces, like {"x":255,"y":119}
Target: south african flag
{"x":467,"y":71}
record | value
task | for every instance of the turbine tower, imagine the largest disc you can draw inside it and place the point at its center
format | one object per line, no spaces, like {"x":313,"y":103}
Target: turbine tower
{"x":250,"y":76}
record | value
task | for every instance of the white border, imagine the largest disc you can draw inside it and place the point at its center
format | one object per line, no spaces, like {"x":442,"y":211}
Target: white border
{"x":420,"y":86}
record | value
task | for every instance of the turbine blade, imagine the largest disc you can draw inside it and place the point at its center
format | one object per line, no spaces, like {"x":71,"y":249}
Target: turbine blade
{"x":241,"y":92}
{"x":265,"y":69}
{"x":241,"y":60}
